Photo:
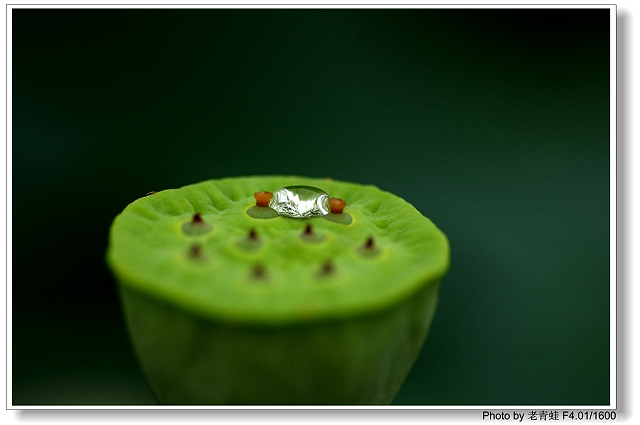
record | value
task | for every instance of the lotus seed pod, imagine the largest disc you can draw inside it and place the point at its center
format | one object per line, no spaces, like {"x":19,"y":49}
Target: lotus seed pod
{"x":235,"y":297}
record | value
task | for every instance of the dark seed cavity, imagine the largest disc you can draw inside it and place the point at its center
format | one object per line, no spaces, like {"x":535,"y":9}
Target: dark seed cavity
{"x":327,"y":268}
{"x":251,"y":241}
{"x":195,"y":251}
{"x":369,"y":248}
{"x":259,"y":272}
{"x":309,"y":235}
{"x":369,"y":243}
{"x":197,"y":226}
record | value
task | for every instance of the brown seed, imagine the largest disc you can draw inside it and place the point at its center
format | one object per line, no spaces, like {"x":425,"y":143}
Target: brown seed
{"x":253,"y":235}
{"x":150,"y":193}
{"x":263,"y":198}
{"x":336,"y":205}
{"x":197,"y":218}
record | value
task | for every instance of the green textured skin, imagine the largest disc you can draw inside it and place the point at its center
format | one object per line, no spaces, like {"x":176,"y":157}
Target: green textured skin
{"x":207,"y":331}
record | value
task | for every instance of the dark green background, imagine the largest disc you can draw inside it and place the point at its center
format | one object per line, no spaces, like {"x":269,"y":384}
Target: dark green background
{"x":493,"y":123}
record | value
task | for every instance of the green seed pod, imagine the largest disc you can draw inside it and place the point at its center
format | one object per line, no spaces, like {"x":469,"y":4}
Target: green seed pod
{"x":232,"y":297}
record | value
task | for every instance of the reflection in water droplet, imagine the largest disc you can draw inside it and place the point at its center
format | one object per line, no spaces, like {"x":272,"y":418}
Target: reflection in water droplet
{"x":262,"y":213}
{"x":342,"y":218}
{"x":300,"y":202}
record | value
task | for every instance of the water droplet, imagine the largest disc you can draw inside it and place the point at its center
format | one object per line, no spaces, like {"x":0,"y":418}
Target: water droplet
{"x":197,"y":226}
{"x":300,"y":202}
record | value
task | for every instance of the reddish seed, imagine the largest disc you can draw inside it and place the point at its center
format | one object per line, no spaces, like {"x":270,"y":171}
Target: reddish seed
{"x":197,"y":218}
{"x":263,"y":198}
{"x":336,"y":205}
{"x":253,"y":235}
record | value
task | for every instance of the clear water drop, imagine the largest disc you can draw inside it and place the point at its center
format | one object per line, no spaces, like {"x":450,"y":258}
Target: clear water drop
{"x":300,"y":202}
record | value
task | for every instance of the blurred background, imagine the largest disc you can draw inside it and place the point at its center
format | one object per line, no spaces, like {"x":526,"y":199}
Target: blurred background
{"x":493,"y":123}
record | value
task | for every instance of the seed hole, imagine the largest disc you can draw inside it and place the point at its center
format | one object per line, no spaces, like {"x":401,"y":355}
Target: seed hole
{"x":369,"y":244}
{"x":197,"y":226}
{"x":196,"y":252}
{"x":310,"y":235}
{"x":250,"y":242}
{"x":308,"y":230}
{"x":369,"y":248}
{"x":327,"y":268}
{"x":259,"y":272}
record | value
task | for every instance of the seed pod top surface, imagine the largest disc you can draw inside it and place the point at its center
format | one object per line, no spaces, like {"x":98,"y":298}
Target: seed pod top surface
{"x":263,"y":268}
